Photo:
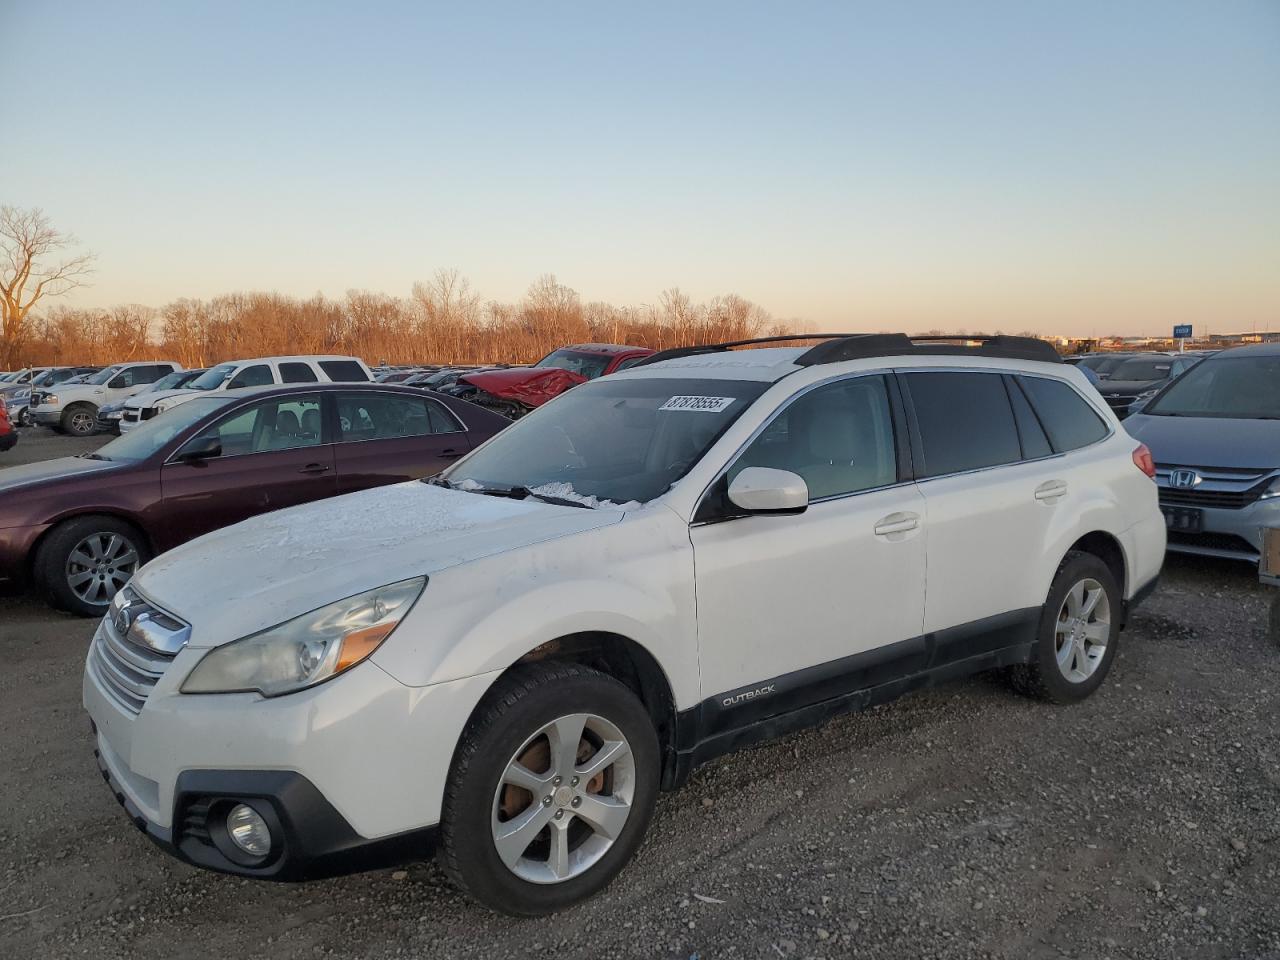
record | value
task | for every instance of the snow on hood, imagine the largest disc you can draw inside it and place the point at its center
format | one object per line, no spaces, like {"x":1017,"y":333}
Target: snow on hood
{"x":147,"y":399}
{"x":271,"y":568}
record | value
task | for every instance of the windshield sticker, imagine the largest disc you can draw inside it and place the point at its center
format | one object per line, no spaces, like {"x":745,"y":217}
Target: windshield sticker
{"x":698,"y":404}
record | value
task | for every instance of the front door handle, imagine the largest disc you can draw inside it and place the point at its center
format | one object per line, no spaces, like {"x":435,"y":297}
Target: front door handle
{"x":897,"y":523}
{"x":1051,"y":490}
{"x":315,"y":468}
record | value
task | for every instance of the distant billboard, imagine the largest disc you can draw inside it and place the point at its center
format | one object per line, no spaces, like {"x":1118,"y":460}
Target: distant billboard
{"x":1182,"y":331}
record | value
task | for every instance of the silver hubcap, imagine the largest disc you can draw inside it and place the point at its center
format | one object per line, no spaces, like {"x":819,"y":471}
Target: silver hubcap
{"x":99,"y":565}
{"x":1082,"y":631}
{"x":564,"y":799}
{"x":81,"y":423}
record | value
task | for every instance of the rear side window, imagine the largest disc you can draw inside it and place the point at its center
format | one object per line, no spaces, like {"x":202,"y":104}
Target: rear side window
{"x":1035,"y":444}
{"x":381,"y":416}
{"x":442,"y":421}
{"x":344,"y":371}
{"x":258,"y":375}
{"x":964,"y":422}
{"x":1067,"y":417}
{"x":297,"y":373}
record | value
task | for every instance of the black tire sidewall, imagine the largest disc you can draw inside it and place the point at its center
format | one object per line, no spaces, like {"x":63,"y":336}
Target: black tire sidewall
{"x":71,"y":411}
{"x":469,"y":804}
{"x":1075,"y":568}
{"x":51,"y":560}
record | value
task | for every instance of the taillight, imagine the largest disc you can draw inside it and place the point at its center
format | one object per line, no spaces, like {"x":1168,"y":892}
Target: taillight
{"x":1143,"y":461}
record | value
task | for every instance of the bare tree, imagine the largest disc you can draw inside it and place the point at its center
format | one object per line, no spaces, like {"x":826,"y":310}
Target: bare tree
{"x":27,"y":239}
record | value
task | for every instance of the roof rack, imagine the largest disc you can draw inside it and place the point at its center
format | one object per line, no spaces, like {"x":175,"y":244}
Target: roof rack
{"x":860,"y":346}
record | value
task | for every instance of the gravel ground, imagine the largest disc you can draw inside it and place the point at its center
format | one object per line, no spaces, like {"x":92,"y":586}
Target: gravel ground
{"x":960,"y":822}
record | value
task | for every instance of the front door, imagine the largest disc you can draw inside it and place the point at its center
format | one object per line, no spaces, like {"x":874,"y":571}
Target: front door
{"x":274,"y":455}
{"x":795,"y":609}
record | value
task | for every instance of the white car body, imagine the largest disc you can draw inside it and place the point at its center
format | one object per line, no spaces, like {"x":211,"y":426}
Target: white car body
{"x":730,"y":614}
{"x":62,"y":401}
{"x":271,"y":371}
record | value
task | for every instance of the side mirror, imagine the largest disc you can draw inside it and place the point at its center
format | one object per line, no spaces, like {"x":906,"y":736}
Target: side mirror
{"x":207,"y":447}
{"x":765,"y":490}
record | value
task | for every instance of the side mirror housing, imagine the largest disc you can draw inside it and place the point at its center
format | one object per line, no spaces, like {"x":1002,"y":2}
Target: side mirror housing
{"x":207,"y":447}
{"x":766,"y":490}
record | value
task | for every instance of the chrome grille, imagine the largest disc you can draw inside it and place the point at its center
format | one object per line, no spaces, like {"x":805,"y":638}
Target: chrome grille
{"x":1230,"y":488}
{"x":133,"y":647}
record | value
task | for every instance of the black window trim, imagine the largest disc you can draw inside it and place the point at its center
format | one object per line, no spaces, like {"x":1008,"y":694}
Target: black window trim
{"x":916,"y":446}
{"x":898,"y":419}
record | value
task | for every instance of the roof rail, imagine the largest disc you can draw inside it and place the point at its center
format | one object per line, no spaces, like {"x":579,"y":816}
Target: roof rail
{"x":859,"y":346}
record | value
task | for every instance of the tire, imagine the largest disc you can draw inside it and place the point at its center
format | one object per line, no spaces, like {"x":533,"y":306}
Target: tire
{"x":24,"y":417}
{"x":80,"y":420}
{"x":72,"y":546}
{"x":509,"y":725}
{"x":1073,"y":657}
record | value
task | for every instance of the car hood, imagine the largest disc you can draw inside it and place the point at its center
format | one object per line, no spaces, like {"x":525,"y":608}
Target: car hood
{"x":23,"y":475}
{"x":263,"y":571}
{"x":1208,"y":441}
{"x":147,"y":399}
{"x":533,"y":386}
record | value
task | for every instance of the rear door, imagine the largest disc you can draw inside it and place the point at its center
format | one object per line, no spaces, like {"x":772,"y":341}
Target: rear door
{"x":275,"y":454}
{"x":992,"y":491}
{"x":386,"y":437}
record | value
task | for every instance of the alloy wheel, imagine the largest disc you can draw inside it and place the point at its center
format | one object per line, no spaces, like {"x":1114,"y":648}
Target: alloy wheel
{"x":1082,"y":630}
{"x":81,"y":423}
{"x":563,"y":799}
{"x":99,"y":565}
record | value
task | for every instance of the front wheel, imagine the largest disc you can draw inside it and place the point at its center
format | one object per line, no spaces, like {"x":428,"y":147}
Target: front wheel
{"x":1079,"y":632}
{"x":551,"y":790}
{"x":80,"y":420}
{"x":82,"y":564}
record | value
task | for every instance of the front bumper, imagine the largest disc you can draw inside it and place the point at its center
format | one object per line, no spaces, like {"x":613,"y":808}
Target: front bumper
{"x":1231,"y":534}
{"x":8,"y":440}
{"x":352,"y":770}
{"x":47,"y":416}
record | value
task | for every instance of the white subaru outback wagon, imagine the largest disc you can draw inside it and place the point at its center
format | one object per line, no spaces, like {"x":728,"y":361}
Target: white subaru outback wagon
{"x":507,"y":663}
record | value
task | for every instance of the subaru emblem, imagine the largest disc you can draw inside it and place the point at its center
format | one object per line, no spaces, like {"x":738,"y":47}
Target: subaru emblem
{"x":1184,"y":479}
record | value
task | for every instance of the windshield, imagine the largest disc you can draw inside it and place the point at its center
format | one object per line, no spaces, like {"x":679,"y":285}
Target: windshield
{"x":213,"y":378}
{"x":148,"y":437}
{"x":1143,"y":368}
{"x":589,"y":365}
{"x":619,"y":440}
{"x":167,"y":382}
{"x":102,"y":376}
{"x":1240,"y":388}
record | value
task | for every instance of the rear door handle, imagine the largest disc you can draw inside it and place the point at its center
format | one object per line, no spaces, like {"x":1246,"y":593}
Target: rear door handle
{"x":1051,"y":490}
{"x":450,"y":454}
{"x":897,"y":523}
{"x":315,"y":468}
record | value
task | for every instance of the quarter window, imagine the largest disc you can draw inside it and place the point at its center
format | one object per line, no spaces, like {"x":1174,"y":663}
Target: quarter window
{"x":344,"y":371}
{"x":1067,"y":417}
{"x":1034,"y":442}
{"x":964,"y":422}
{"x":839,"y":438}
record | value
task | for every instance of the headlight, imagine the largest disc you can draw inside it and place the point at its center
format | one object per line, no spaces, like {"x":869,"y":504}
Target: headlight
{"x":1271,"y":491}
{"x":51,"y":399}
{"x":309,"y":649}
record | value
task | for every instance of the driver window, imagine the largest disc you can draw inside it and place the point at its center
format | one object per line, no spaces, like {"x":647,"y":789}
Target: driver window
{"x":125,"y":379}
{"x":269,"y":426}
{"x":839,"y":438}
{"x":259,"y":375}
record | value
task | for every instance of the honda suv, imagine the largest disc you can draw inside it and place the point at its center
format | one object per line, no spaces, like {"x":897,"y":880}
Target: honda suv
{"x":655,"y":568}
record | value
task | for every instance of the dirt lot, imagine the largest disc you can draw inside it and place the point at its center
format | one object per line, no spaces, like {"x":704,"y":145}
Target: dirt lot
{"x":961,"y":822}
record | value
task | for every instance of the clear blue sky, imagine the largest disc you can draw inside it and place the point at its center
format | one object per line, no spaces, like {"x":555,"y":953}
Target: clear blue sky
{"x":1076,"y":167}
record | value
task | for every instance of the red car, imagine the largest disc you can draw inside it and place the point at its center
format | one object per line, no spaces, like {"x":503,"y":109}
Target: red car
{"x":515,"y":392}
{"x":8,"y":435}
{"x":77,"y":528}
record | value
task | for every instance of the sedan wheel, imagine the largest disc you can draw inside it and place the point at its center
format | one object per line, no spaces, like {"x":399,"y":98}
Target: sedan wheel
{"x":99,"y":565}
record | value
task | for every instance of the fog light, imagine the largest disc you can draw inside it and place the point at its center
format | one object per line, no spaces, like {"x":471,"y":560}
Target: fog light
{"x":248,"y":830}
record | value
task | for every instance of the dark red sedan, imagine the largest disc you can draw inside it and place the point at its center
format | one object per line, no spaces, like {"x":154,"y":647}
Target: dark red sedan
{"x":77,"y":528}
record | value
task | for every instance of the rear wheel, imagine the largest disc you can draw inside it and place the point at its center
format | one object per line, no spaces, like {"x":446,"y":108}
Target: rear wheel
{"x":1079,"y":632}
{"x":82,"y":564}
{"x":551,"y":789}
{"x":80,"y":420}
